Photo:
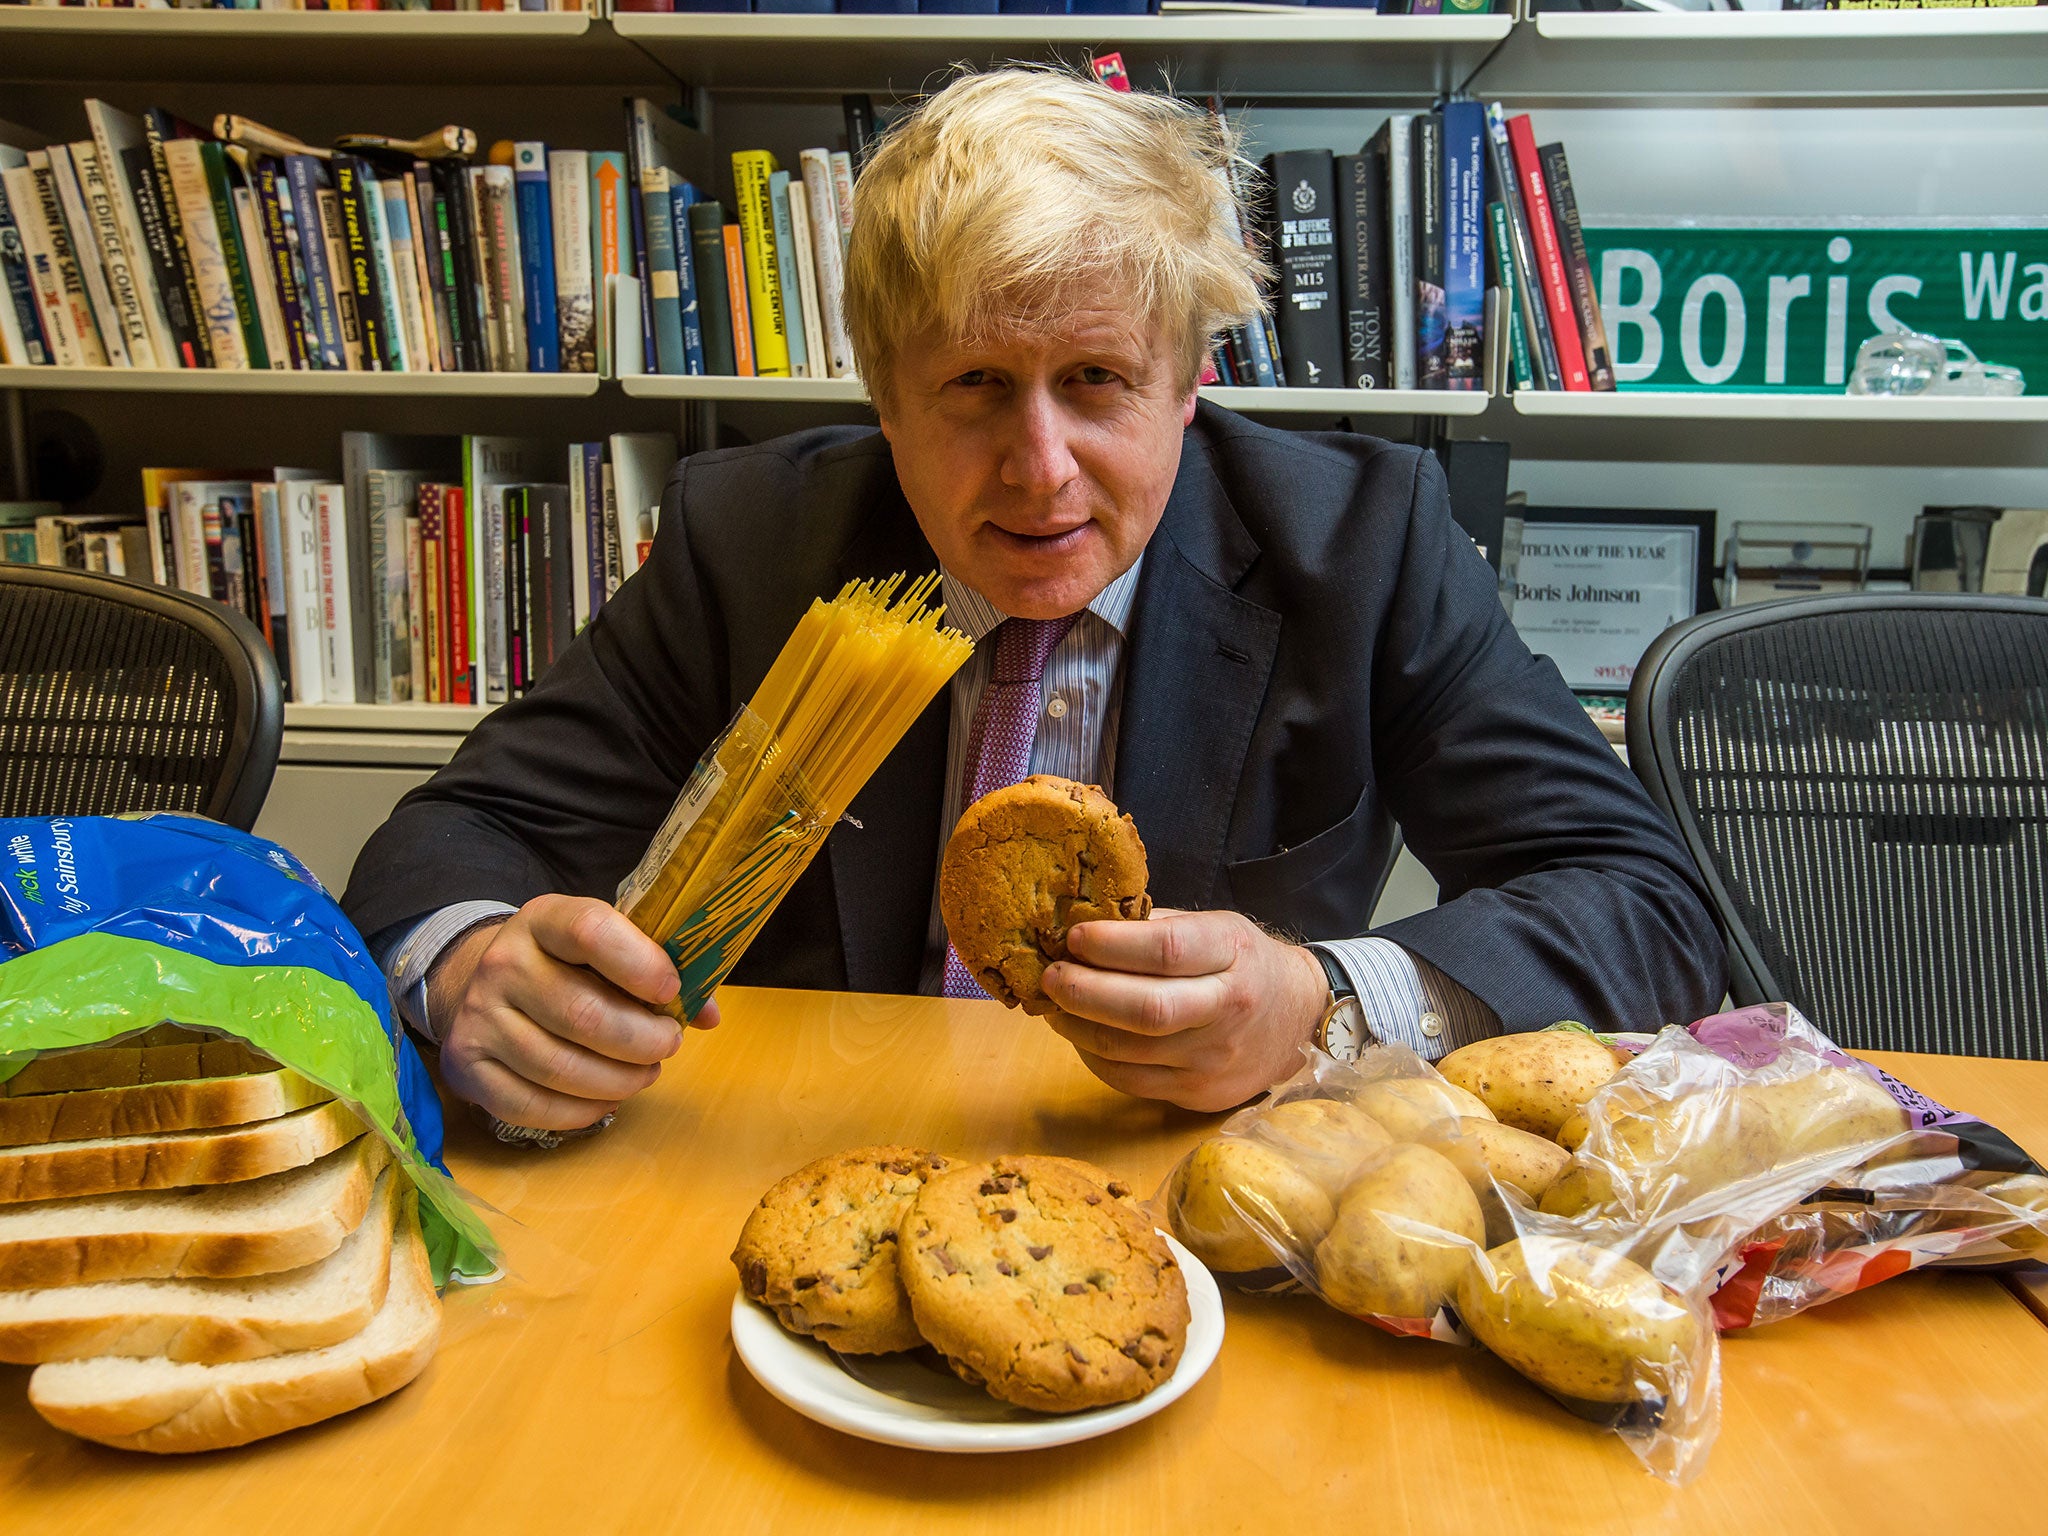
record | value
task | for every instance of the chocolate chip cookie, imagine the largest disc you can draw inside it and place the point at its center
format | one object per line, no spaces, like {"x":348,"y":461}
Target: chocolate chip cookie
{"x":1036,"y":1282}
{"x":820,"y":1248}
{"x":1024,"y":865}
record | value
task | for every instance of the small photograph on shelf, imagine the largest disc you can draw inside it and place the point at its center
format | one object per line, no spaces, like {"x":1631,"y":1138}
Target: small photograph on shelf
{"x":1594,"y":586}
{"x":1765,"y":561}
{"x":1981,"y":549}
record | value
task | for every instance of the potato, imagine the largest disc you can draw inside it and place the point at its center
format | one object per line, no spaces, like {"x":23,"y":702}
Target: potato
{"x":1829,"y":1110}
{"x":1225,"y":1185}
{"x":1533,"y":1082}
{"x":1414,"y":1107}
{"x":1325,"y":1138}
{"x":1488,"y":1154}
{"x":1579,"y":1321}
{"x":1407,"y":1228}
{"x":2029,"y":1192}
{"x":1661,"y":1153}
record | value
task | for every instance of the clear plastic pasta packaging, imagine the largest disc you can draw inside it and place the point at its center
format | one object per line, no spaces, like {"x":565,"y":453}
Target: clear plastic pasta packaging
{"x":853,"y":676}
{"x":1594,"y":1209}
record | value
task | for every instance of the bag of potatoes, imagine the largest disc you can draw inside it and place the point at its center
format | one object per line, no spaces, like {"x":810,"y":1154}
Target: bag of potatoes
{"x":1405,"y":1200}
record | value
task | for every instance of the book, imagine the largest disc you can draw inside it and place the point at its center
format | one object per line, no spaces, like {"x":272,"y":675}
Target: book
{"x":353,"y":184}
{"x":119,"y":275}
{"x":1564,"y":208}
{"x":416,"y":593}
{"x":842,"y":194}
{"x":581,"y":457}
{"x":459,"y":600}
{"x":828,"y":259}
{"x":769,"y":323}
{"x":575,"y":296}
{"x":640,"y":464}
{"x":806,"y":285}
{"x":786,"y":275}
{"x":682,"y":197}
{"x":461,"y":273}
{"x":438,"y":276}
{"x":658,"y":219}
{"x":334,"y":236}
{"x":1431,"y":361}
{"x":298,"y":516}
{"x":434,"y":354}
{"x":736,"y":295}
{"x":1550,"y":273}
{"x":550,"y":576}
{"x":85,"y":251}
{"x":337,"y":612}
{"x":379,"y":471}
{"x":1505,"y":281}
{"x":614,"y":556}
{"x":214,"y":162}
{"x":860,"y":130}
{"x":159,"y":129}
{"x":611,"y":243}
{"x":537,"y":257}
{"x":1464,"y":165}
{"x":204,"y":247}
{"x":21,"y":315}
{"x":497,"y":237}
{"x":1528,"y":295}
{"x":1394,"y":144}
{"x":267,"y":523}
{"x":489,"y":466}
{"x":432,"y":642}
{"x":714,"y":305}
{"x":262,"y":282}
{"x":53,"y":254}
{"x":303,"y":178}
{"x":516,"y":593}
{"x":39,"y":265}
{"x":1362,"y":266}
{"x":1304,"y":246}
{"x":280,"y":248}
{"x":116,"y":135}
{"x":398,"y":340}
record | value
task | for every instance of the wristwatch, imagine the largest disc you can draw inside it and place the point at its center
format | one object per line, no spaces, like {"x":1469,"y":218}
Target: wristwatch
{"x":1342,"y":1031}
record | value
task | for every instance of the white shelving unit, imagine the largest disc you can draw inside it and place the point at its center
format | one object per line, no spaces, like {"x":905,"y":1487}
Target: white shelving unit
{"x":235,"y":381}
{"x":1862,"y":410}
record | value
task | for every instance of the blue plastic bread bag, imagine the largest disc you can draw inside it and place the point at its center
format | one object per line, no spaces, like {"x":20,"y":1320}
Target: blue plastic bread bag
{"x":110,"y":926}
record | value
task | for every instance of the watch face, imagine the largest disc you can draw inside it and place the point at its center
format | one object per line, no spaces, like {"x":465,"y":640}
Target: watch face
{"x":1344,"y":1030}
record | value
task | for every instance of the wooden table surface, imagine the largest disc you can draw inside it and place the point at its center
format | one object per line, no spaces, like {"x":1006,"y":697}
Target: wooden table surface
{"x":597,"y":1390}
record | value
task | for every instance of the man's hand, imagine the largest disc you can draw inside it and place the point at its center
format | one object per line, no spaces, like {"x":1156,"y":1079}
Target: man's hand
{"x":547,"y":1019}
{"x":1202,"y":1009}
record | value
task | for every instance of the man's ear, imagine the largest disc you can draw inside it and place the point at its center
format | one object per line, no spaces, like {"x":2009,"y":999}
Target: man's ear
{"x":1187,"y":406}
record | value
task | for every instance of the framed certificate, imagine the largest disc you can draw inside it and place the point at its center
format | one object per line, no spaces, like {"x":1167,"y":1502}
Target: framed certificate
{"x":1594,"y":586}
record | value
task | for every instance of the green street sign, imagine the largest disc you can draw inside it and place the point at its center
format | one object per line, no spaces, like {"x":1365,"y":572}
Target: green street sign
{"x":1751,"y":307}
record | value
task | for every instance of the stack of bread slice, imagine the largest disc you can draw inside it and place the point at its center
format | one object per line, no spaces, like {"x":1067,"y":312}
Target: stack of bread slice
{"x":199,"y":1247}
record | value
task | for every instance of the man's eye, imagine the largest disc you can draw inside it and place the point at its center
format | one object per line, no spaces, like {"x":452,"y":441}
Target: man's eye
{"x":972,"y":377}
{"x":1097,"y":375}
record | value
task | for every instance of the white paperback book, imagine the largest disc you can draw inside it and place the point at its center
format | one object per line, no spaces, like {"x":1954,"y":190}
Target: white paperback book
{"x":337,"y":629}
{"x":641,"y":462}
{"x":298,"y":517}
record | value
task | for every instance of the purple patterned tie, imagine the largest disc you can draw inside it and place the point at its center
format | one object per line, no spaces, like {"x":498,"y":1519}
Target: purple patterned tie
{"x":1005,"y":723}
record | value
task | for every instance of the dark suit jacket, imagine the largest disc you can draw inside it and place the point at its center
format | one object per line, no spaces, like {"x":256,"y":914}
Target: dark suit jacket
{"x":1316,"y":655}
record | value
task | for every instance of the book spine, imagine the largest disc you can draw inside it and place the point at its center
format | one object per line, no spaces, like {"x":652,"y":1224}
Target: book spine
{"x":611,"y":251}
{"x":397,"y":343}
{"x":575,"y":301}
{"x":348,"y":318}
{"x":120,"y":274}
{"x":270,"y":577}
{"x":287,"y":256}
{"x":85,"y":251}
{"x":60,"y":325}
{"x":21,"y":293}
{"x":807,"y":279}
{"x":1305,"y":252}
{"x":518,"y":637}
{"x":469,"y":302}
{"x":157,"y":135}
{"x":1361,"y":269}
{"x":433,"y":636}
{"x":405,"y":283}
{"x":1509,"y":310}
{"x":1464,"y":129}
{"x":1400,"y":148}
{"x":1528,"y":291}
{"x":736,"y":293}
{"x":537,"y":257}
{"x":493,"y":523}
{"x":416,"y":597}
{"x":828,"y":256}
{"x":352,"y":191}
{"x":299,"y":536}
{"x":203,"y":237}
{"x":73,"y":308}
{"x":1431,"y":361}
{"x":682,"y":197}
{"x":432,"y":235}
{"x":1557,"y":297}
{"x":751,"y":169}
{"x":114,"y":135}
{"x":301,"y":175}
{"x":786,"y":281}
{"x":614,"y":544}
{"x":379,"y":549}
{"x":214,"y":162}
{"x":337,"y":636}
{"x":558,"y":542}
{"x":455,"y":520}
{"x":640,"y":154}
{"x":163,"y":241}
{"x":263,"y":287}
{"x":579,"y":523}
{"x":714,"y":306}
{"x":596,"y":579}
{"x":657,"y":218}
{"x":842,"y":194}
{"x":499,"y":236}
{"x":1564,"y":207}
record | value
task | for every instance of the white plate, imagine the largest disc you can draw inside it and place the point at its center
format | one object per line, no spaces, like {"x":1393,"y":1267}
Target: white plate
{"x":901,"y":1400}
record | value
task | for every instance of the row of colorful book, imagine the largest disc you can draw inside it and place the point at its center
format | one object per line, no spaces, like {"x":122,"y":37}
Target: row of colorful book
{"x":1384,"y":259}
{"x":309,"y":5}
{"x":153,"y":243}
{"x":432,"y":570}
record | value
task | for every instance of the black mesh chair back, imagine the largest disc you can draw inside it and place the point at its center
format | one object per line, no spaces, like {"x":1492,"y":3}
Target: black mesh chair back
{"x":120,"y":696}
{"x":1864,"y":783}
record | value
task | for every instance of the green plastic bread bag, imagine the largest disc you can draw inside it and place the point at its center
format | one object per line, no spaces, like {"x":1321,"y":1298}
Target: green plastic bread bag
{"x":111,"y":926}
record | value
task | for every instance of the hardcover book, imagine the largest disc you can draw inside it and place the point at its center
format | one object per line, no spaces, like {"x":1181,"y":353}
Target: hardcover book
{"x":1304,"y":245}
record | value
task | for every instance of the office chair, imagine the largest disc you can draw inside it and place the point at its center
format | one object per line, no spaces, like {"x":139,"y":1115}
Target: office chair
{"x":1863,"y":781}
{"x":116,"y":696}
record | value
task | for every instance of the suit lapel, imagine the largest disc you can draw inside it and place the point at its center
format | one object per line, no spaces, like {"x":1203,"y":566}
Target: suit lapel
{"x":882,"y":868}
{"x":1195,"y":673}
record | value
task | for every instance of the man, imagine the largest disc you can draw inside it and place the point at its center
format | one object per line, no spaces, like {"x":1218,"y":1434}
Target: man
{"x":1271,"y":648}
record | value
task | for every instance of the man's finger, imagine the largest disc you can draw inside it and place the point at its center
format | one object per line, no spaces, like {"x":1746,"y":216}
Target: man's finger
{"x":1190,"y":944}
{"x":707,"y":1016}
{"x":545,"y":1058}
{"x":591,"y":1012}
{"x":580,"y":930}
{"x":1139,"y":1081}
{"x":1143,"y":1005}
{"x":497,"y":1088}
{"x":1101,"y":1040}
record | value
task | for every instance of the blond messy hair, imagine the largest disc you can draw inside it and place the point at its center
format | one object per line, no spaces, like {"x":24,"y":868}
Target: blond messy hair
{"x":1011,"y":198}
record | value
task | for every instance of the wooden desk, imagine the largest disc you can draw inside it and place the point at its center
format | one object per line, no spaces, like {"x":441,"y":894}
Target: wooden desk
{"x":598,"y":1391}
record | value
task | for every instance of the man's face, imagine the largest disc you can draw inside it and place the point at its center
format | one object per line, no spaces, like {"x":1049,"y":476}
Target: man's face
{"x":1039,"y":466}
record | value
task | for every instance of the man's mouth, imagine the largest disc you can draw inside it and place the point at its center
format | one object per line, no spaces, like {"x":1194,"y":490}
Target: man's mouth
{"x":1056,"y":542}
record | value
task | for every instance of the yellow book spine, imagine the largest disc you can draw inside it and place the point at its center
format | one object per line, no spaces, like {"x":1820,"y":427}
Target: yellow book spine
{"x":750,"y":171}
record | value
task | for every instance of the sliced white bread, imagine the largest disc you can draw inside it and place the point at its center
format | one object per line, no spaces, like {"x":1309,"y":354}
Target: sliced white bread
{"x":166,"y":1405}
{"x":167,"y":1054}
{"x":257,"y":1227}
{"x":66,"y":1169}
{"x":151,"y":1109}
{"x":211,"y":1321}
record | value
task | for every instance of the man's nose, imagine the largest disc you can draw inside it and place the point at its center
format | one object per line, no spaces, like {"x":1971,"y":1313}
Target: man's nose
{"x":1036,"y":457}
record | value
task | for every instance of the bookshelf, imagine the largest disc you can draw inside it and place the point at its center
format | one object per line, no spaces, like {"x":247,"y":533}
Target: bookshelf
{"x":1321,"y":402}
{"x":225,"y":381}
{"x":1858,"y":410}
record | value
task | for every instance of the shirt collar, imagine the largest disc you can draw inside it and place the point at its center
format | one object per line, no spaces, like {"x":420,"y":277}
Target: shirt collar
{"x":974,"y":615}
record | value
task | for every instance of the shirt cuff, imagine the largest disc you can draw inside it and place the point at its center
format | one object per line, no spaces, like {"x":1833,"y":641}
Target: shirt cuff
{"x":1407,"y":1001}
{"x":407,"y":962}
